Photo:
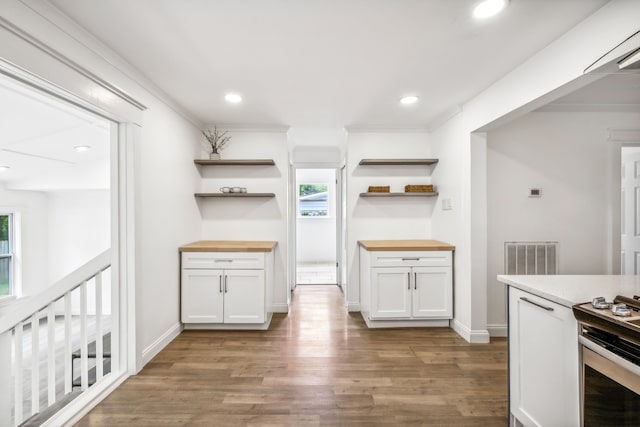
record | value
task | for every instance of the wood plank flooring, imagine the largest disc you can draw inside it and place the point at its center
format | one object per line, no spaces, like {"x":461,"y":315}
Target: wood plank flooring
{"x":317,"y":366}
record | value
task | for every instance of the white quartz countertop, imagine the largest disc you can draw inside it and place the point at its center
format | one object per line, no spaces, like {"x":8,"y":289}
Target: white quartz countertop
{"x":569,"y":290}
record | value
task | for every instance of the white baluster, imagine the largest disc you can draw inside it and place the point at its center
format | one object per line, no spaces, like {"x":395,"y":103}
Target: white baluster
{"x":84,"y":342}
{"x":35,"y":364}
{"x":68,"y":367}
{"x":51,"y":377}
{"x":18,"y":392}
{"x":99,"y":346}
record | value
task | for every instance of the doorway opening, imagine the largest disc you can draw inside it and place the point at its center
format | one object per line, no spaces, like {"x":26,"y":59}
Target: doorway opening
{"x":62,"y":199}
{"x":630,"y":210}
{"x":316,"y":226}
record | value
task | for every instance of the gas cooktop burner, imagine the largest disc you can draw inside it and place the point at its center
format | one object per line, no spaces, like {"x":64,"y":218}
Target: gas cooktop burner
{"x":600,"y":303}
{"x":621,"y":310}
{"x":622,"y":317}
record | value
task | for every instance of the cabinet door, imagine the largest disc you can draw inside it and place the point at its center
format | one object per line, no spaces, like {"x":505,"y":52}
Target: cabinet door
{"x":202,"y":296}
{"x":432,"y":292}
{"x":543,"y":361}
{"x":390,"y":293}
{"x":244,"y":296}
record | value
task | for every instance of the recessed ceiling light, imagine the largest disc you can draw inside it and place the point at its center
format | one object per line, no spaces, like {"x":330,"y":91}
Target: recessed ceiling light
{"x":82,"y":148}
{"x":233,"y":98}
{"x":411,"y":99}
{"x":489,"y":8}
{"x":4,"y":168}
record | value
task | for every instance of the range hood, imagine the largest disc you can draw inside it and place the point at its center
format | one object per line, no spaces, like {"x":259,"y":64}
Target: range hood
{"x":625,"y":57}
{"x":631,"y":61}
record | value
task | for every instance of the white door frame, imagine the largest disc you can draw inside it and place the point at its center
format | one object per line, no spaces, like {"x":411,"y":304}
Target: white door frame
{"x":618,"y":138}
{"x":123,"y":136}
{"x":293,"y":215}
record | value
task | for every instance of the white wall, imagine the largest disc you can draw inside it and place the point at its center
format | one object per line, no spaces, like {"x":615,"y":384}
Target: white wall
{"x":167,"y":217}
{"x":31,"y":207}
{"x":561,"y":63}
{"x":316,"y":236}
{"x":384,"y":218}
{"x":564,"y":154}
{"x":251,"y":218}
{"x":79,"y":224}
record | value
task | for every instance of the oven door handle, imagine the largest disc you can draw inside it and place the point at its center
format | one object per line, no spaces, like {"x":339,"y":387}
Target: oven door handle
{"x":525,"y":299}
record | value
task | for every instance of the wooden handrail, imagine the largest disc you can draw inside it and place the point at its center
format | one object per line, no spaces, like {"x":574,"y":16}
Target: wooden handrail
{"x":23,"y":310}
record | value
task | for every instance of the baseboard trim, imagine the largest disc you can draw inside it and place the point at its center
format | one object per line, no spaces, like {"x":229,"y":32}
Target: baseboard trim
{"x":433,"y":323}
{"x":472,"y":336}
{"x":230,"y":326}
{"x":353,"y":306}
{"x":157,"y":346}
{"x":497,"y":330}
{"x":280,"y":308}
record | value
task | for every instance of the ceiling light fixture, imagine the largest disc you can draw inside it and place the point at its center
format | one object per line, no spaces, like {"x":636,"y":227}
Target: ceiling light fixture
{"x":82,"y":148}
{"x":234,"y":98}
{"x":407,"y":100}
{"x":4,"y":168}
{"x":489,"y":8}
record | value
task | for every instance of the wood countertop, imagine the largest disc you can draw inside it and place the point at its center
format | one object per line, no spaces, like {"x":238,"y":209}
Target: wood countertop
{"x":229,"y":246}
{"x":405,"y":245}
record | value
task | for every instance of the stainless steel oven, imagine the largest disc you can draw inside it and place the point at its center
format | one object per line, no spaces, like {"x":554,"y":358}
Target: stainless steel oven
{"x":610,"y":383}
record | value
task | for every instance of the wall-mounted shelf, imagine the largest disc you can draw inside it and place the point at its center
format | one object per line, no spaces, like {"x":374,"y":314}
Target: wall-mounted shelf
{"x":402,"y":162}
{"x":223,"y":195}
{"x":433,"y":194}
{"x":235,"y":162}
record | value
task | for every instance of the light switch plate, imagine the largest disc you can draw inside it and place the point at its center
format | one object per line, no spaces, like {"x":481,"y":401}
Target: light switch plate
{"x":446,"y":204}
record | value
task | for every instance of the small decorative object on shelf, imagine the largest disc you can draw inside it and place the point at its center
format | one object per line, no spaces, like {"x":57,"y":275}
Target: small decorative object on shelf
{"x":217,"y":140}
{"x":379,"y":189}
{"x":233,"y":190}
{"x":427,"y":188}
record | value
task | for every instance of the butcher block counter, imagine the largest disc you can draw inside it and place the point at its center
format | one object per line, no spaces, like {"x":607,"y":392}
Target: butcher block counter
{"x":229,"y":246}
{"x":406,"y":283}
{"x":405,"y":245}
{"x":227,"y":284}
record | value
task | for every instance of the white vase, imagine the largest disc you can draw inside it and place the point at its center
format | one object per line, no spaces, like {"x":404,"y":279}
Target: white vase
{"x":214,"y":156}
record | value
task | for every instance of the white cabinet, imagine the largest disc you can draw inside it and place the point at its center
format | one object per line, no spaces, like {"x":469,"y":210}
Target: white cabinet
{"x":225,"y":289}
{"x":202,"y":296}
{"x":413,"y":286}
{"x":543,"y":362}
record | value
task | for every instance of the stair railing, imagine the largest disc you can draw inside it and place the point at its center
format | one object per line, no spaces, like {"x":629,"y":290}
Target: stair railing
{"x":26,"y":317}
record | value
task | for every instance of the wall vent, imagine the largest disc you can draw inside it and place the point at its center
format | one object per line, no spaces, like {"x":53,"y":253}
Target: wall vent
{"x":531,"y":258}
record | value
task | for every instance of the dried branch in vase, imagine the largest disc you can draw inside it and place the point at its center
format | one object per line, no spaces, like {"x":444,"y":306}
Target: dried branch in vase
{"x":217,"y":140}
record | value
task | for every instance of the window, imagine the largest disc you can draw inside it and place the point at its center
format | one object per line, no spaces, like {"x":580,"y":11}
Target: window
{"x":6,"y":254}
{"x":313,"y":200}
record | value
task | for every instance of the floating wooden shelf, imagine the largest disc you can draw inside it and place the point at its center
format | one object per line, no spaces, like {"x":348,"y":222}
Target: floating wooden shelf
{"x":235,"y":162}
{"x":433,"y":194}
{"x":403,"y":162}
{"x":235,"y":195}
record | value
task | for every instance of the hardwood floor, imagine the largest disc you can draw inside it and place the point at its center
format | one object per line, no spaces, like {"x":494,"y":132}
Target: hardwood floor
{"x":317,"y":366}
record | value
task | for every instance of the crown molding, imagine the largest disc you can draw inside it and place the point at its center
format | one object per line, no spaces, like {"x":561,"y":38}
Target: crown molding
{"x":49,"y":12}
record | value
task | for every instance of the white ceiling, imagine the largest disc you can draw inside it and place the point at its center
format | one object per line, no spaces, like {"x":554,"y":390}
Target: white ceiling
{"x":37,"y":139}
{"x":329,"y":63}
